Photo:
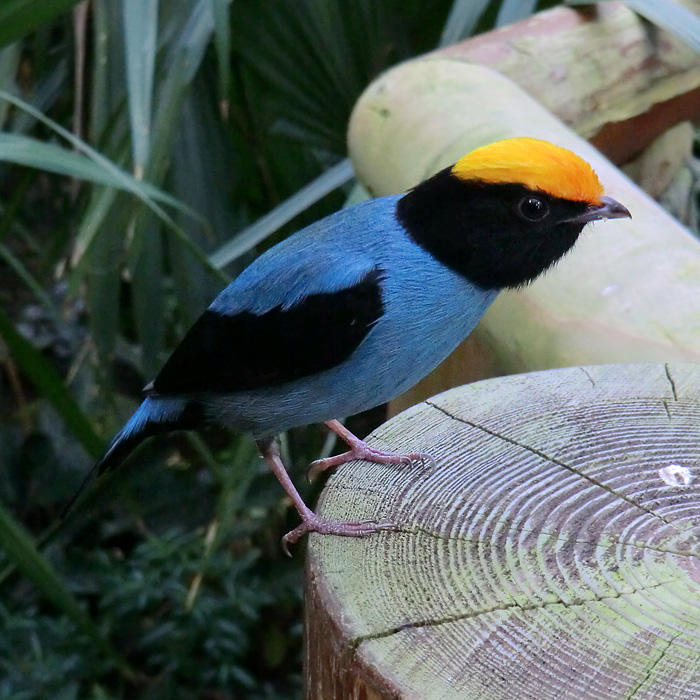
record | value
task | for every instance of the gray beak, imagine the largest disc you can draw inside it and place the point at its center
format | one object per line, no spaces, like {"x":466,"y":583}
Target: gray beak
{"x":609,"y":209}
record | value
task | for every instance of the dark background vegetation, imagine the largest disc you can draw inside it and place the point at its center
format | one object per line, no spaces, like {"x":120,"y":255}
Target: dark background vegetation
{"x":169,"y":581}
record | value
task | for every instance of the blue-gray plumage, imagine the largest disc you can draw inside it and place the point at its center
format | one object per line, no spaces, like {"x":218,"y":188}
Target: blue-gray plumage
{"x":356,"y":308}
{"x":427,"y":311}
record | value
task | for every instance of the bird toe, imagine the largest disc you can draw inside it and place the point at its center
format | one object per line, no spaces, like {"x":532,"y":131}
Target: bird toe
{"x":322,"y":526}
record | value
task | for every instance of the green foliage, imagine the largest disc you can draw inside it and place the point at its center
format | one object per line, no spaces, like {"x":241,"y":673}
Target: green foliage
{"x":179,"y":569}
{"x":181,"y":642}
{"x":19,"y":17}
{"x":147,"y":152}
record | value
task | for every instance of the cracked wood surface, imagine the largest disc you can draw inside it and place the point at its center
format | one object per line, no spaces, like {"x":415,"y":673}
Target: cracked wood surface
{"x":546,"y":556}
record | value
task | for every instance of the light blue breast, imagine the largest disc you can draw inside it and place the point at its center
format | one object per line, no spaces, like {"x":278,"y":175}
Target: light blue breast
{"x":429,"y":310}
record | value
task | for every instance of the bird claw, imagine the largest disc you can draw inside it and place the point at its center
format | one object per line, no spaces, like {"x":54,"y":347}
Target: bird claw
{"x":315,"y":469}
{"x":427,"y":460}
{"x":315,"y":523}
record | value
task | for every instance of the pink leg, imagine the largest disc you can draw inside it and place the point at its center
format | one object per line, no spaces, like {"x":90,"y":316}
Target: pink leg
{"x":310,"y":521}
{"x":359,"y":449}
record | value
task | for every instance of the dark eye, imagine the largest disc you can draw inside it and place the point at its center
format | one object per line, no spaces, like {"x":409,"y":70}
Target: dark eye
{"x":533,"y":208}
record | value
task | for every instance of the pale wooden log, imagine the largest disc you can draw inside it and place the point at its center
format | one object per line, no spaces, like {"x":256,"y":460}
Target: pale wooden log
{"x":658,"y":165}
{"x":612,"y":77}
{"x":553,"y":553}
{"x":629,"y":291}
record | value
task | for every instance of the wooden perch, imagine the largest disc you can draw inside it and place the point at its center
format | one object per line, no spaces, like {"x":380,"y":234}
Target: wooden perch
{"x":553,"y":553}
{"x":630,"y":291}
{"x":612,"y":77}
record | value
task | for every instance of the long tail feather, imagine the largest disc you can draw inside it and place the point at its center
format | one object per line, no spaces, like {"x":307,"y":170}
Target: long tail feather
{"x":155,"y":415}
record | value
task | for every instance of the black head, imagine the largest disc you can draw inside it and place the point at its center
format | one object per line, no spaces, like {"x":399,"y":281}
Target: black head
{"x":497,"y":233}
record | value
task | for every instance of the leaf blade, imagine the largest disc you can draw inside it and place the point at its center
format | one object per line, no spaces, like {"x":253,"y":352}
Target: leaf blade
{"x":512,"y":11}
{"x":28,"y":151}
{"x":265,"y":226}
{"x":222,"y":43}
{"x":462,"y":20}
{"x":48,"y":381}
{"x":140,"y":19}
{"x":673,"y":17}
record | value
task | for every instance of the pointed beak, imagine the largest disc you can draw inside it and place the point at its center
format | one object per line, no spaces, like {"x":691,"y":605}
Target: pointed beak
{"x":609,"y":208}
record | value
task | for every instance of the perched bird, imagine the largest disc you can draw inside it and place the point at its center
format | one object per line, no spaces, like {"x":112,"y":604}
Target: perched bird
{"x":353,"y":310}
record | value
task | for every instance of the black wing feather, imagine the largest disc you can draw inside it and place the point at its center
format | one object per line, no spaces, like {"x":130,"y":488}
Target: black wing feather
{"x":227,"y":353}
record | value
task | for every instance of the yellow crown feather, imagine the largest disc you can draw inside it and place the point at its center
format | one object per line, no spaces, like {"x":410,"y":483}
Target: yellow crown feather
{"x":538,"y":165}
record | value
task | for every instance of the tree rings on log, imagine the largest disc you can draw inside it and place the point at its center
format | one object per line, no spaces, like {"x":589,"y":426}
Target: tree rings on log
{"x":553,"y":552}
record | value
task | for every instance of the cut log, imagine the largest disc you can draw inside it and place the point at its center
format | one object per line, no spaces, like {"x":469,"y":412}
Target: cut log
{"x":554,"y":551}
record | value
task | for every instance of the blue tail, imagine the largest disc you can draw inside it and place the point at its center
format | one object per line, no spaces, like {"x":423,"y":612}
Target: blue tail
{"x":155,"y":415}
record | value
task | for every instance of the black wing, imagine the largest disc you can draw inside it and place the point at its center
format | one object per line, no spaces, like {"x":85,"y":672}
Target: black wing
{"x":227,"y":353}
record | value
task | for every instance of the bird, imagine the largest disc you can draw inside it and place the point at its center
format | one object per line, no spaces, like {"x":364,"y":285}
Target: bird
{"x":353,"y":310}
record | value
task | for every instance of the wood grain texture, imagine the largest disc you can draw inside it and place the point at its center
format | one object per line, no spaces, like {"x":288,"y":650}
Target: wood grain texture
{"x":548,"y":556}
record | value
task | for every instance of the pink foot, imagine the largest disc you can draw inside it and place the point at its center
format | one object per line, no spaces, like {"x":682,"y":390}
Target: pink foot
{"x":310,"y":521}
{"x":359,"y":449}
{"x":315,"y":523}
{"x":369,"y":454}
